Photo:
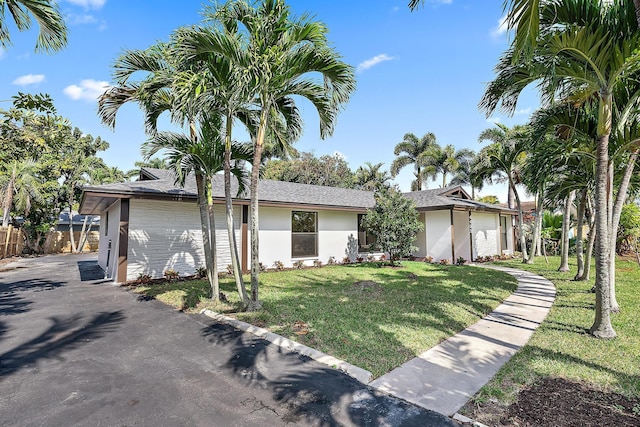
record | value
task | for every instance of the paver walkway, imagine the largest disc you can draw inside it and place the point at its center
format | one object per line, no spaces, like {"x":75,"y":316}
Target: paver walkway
{"x":446,"y":376}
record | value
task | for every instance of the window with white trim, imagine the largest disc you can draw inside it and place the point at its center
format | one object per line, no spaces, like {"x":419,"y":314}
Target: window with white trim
{"x":304,"y":234}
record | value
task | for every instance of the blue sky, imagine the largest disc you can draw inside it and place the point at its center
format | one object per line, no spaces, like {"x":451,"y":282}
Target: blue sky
{"x":418,"y":72}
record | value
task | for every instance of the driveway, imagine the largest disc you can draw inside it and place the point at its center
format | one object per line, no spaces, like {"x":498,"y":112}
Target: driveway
{"x":76,"y":350}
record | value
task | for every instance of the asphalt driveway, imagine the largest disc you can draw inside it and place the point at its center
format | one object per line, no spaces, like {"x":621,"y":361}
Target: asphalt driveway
{"x":76,"y":350}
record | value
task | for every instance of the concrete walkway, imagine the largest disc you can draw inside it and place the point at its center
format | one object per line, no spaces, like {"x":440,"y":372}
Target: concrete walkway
{"x":445,"y":377}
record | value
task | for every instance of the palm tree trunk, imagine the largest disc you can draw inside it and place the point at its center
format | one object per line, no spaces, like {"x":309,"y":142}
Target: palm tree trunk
{"x":602,"y":327}
{"x":523,"y":240}
{"x":206,"y":235}
{"x":235,"y":260}
{"x":82,"y":240}
{"x":215,"y":284}
{"x":537,"y":226}
{"x":615,"y":223}
{"x":255,"y":304}
{"x":579,"y":234}
{"x":566,"y":225}
{"x":8,"y":201}
{"x":71,"y":236}
{"x":588,"y":255}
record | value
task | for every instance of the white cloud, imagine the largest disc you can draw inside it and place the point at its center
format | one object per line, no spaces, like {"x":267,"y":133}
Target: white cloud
{"x":500,"y":29}
{"x":73,"y":19}
{"x":494,"y":120}
{"x":365,"y":65}
{"x":88,"y":4}
{"x":88,"y":90}
{"x":29,"y":79}
{"x":524,"y":111}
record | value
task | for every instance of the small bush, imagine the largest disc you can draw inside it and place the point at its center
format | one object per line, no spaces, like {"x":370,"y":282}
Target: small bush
{"x":261,"y":266}
{"x":428,"y":259}
{"x":371,"y":258}
{"x":317,"y":263}
{"x":298,"y":265}
{"x":229,"y":269}
{"x":332,"y":261}
{"x":201,"y":272}
{"x":171,"y":275}
{"x":359,"y":258}
{"x":383,"y":257}
{"x":445,"y":261}
{"x":143,"y":278}
{"x":346,"y":260}
{"x":461,"y":261}
{"x":279,"y":265}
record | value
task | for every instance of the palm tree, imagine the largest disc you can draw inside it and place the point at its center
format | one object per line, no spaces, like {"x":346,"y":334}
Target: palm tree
{"x":204,"y":158}
{"x":408,"y":152}
{"x":581,"y":50}
{"x":153,"y":93}
{"x":52,"y":34}
{"x":369,"y":177}
{"x":20,"y":186}
{"x":467,"y":174}
{"x":504,"y":159}
{"x":281,"y":57}
{"x":444,"y":160}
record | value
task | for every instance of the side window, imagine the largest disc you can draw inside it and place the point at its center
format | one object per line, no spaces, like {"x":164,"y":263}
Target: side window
{"x":304,"y":234}
{"x":365,"y":238}
{"x":106,"y":224}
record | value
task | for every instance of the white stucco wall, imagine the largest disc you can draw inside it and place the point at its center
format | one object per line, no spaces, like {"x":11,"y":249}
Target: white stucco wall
{"x":421,"y":239}
{"x":112,"y":225}
{"x":462,"y":238}
{"x":486,"y":234}
{"x":335,"y":230}
{"x":166,"y":236}
{"x":438,"y":231}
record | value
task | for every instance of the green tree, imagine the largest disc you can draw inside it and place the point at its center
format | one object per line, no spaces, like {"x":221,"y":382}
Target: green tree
{"x":204,"y":158}
{"x":52,"y":34}
{"x":394,"y":222}
{"x":369,"y":177}
{"x":466,"y":174}
{"x":283,"y":57}
{"x":504,"y":158}
{"x":408,"y":152}
{"x":629,"y":231}
{"x":20,"y":186}
{"x":492,"y":200}
{"x":305,"y":168}
{"x":444,"y":160}
{"x":580,"y":50}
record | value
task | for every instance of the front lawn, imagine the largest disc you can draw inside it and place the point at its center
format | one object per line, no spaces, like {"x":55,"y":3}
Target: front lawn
{"x":375,"y":318}
{"x":562,"y":361}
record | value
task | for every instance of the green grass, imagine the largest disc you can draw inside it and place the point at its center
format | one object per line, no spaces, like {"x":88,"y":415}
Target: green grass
{"x":561,"y":346}
{"x":375,"y":327}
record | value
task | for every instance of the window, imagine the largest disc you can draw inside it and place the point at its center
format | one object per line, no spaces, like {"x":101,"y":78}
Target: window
{"x":304,"y":234}
{"x":106,"y":224}
{"x":365,"y":238}
{"x":503,"y":233}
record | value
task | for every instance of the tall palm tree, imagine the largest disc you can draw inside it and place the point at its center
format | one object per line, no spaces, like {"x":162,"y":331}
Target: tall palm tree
{"x":282,"y":57}
{"x":444,"y":160}
{"x":204,"y":158}
{"x":581,"y":50}
{"x":369,"y":177}
{"x":20,"y":187}
{"x":153,"y":93}
{"x":408,"y":152}
{"x":52,"y":34}
{"x":504,"y":158}
{"x":467,"y":174}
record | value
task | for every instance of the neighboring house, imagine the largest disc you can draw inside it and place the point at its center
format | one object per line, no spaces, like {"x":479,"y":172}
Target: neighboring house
{"x":93,"y":222}
{"x":152,"y":225}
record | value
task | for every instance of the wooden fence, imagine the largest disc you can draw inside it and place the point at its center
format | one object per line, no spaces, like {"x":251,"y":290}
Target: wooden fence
{"x":11,"y":241}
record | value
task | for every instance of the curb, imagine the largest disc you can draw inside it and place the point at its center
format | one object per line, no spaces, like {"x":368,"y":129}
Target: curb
{"x":356,"y":372}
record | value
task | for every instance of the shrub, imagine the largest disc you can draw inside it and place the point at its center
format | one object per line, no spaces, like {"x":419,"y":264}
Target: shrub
{"x":317,"y":263}
{"x":346,"y":260}
{"x":445,"y":261}
{"x":359,"y":258}
{"x":229,"y":269}
{"x":371,"y":258}
{"x":461,"y":261}
{"x":428,"y":259}
{"x":261,"y":266}
{"x":279,"y":265}
{"x":331,"y":261}
{"x":201,"y":272}
{"x":143,"y":278}
{"x":299,"y":265}
{"x":171,"y":274}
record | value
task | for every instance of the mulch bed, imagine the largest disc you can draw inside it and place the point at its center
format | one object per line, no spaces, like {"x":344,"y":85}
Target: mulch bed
{"x":559,"y":402}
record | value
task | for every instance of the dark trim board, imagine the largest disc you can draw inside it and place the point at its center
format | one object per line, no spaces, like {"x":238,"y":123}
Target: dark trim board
{"x":123,"y":241}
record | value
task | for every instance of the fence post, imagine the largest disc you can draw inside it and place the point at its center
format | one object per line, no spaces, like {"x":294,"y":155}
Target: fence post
{"x":7,"y":240}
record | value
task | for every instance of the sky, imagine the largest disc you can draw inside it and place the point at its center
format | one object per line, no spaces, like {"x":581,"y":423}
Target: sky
{"x":418,"y":72}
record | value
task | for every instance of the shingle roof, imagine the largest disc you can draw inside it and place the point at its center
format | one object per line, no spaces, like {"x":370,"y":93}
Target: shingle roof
{"x":161,"y":183}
